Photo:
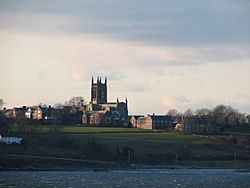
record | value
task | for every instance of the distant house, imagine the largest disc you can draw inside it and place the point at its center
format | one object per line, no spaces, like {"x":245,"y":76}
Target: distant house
{"x":10,"y":140}
{"x":152,"y":122}
{"x":196,"y":124}
{"x":36,"y":112}
{"x":145,"y":122}
{"x":47,"y":115}
{"x":16,"y":113}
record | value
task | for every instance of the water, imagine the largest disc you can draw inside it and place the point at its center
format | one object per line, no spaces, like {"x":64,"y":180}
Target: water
{"x":126,"y":178}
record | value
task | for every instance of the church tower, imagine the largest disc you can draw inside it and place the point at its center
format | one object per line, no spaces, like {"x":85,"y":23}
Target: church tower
{"x":99,"y":91}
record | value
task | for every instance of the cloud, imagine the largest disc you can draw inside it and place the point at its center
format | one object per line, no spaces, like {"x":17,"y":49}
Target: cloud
{"x":82,"y":56}
{"x":164,"y":22}
{"x":178,"y":102}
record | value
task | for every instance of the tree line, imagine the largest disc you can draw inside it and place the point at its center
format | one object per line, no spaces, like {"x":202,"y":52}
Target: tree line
{"x":221,"y":116}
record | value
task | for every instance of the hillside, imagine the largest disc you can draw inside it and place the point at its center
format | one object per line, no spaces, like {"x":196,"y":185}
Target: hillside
{"x":82,"y":146}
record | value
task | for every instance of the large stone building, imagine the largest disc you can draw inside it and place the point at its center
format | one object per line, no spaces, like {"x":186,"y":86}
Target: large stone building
{"x":152,"y":122}
{"x":101,"y":112}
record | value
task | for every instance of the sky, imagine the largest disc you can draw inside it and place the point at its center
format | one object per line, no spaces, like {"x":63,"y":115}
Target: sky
{"x":160,"y":54}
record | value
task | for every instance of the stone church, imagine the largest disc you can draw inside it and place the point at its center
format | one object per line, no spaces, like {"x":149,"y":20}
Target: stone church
{"x":101,"y":112}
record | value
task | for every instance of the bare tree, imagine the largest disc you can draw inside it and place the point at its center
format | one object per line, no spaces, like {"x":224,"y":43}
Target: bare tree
{"x":248,"y":118}
{"x":219,"y":115}
{"x":203,"y":112}
{"x":226,"y":116}
{"x":75,"y":102}
{"x":43,"y":105}
{"x":58,"y":106}
{"x":173,"y":112}
{"x":188,"y":113}
{"x":1,"y":104}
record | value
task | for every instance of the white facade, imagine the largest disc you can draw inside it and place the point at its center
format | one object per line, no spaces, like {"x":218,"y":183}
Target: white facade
{"x":10,"y":140}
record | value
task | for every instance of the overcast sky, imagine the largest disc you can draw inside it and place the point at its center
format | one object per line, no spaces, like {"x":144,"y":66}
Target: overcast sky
{"x":161,"y":54}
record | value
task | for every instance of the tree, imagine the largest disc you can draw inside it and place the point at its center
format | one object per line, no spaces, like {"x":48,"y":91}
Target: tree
{"x":188,"y":113}
{"x":58,"y":106}
{"x":226,"y":116}
{"x":173,"y":112}
{"x":175,"y":115}
{"x":203,"y":112}
{"x":4,"y":121}
{"x":248,"y":118}
{"x":1,"y":104}
{"x":43,"y":105}
{"x":75,"y":103}
{"x":232,"y":117}
{"x":219,"y":115}
{"x":243,"y":119}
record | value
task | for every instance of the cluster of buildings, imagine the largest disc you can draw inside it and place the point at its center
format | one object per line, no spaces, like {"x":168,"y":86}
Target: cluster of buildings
{"x":100,"y":112}
{"x":38,"y":113}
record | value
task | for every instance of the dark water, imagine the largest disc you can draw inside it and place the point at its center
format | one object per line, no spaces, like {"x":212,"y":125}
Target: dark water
{"x":135,"y":178}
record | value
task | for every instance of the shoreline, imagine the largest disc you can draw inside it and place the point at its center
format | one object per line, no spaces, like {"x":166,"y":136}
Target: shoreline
{"x":134,"y":168}
{"x":10,"y":162}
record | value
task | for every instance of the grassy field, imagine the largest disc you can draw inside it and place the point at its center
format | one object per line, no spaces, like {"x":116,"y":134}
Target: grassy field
{"x":78,"y":129}
{"x":81,"y":129}
{"x":114,"y":144}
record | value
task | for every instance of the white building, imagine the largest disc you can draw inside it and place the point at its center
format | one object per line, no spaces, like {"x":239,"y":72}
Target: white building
{"x":10,"y":140}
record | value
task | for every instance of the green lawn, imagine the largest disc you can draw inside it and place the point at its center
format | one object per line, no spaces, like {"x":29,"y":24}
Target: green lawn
{"x":163,"y":137}
{"x":74,"y":129}
{"x":112,"y":134}
{"x":80,"y":129}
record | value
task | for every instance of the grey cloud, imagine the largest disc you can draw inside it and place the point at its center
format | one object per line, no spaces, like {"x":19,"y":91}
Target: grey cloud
{"x":161,"y":22}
